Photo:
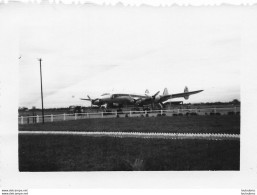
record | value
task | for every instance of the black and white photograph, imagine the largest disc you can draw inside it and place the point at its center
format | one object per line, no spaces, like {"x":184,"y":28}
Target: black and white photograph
{"x":128,"y":95}
{"x":129,"y":89}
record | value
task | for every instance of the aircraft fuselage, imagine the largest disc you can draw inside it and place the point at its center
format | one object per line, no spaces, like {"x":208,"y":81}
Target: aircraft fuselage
{"x":139,"y":100}
{"x":115,"y":99}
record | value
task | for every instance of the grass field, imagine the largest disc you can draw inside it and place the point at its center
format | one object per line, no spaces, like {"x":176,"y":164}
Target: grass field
{"x":78,"y":153}
{"x":84,"y":153}
{"x":180,"y":124}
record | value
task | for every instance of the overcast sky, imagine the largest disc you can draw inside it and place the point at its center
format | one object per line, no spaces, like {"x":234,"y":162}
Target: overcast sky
{"x":93,"y":50}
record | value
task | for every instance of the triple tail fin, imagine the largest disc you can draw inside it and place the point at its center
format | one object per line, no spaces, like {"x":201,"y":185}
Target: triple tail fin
{"x":185,"y":91}
{"x":165,"y":92}
{"x":147,"y":92}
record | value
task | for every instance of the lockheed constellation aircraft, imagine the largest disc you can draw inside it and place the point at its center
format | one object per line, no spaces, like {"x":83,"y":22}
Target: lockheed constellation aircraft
{"x":138,"y":100}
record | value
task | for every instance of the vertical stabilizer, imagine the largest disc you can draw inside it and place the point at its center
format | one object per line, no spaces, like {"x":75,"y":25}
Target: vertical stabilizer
{"x":185,"y":91}
{"x":147,"y":92}
{"x":165,"y":92}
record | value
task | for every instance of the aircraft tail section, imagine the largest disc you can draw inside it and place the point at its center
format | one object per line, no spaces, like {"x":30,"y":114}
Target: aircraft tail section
{"x":186,"y":91}
{"x":165,"y":92}
{"x":147,"y":92}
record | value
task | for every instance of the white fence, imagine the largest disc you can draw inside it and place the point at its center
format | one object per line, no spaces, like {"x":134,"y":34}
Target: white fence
{"x":152,"y":113}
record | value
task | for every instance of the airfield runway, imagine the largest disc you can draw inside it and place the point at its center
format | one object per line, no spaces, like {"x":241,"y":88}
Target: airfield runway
{"x":159,"y":135}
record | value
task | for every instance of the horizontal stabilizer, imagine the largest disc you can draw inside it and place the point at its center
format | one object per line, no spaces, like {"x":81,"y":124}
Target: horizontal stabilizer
{"x":186,"y":91}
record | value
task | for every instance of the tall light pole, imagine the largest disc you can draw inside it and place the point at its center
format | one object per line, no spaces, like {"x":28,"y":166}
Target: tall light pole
{"x":43,"y":118}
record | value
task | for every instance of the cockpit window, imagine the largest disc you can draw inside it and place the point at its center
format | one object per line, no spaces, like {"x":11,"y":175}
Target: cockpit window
{"x":105,"y":94}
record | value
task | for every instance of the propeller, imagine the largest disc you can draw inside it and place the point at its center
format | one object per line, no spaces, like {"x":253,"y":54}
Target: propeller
{"x":153,"y":98}
{"x":138,"y":101}
{"x":132,"y":100}
{"x":155,"y":94}
{"x":148,"y":99}
{"x":91,"y":100}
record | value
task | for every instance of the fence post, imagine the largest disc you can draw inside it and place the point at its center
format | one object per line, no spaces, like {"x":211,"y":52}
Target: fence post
{"x":102,"y":114}
{"x":52,"y":118}
{"x":64,"y":117}
{"x":178,"y":111}
{"x":161,"y":112}
{"x":145,"y":112}
{"x":87,"y":115}
{"x":235,"y":109}
{"x":37,"y":119}
{"x":130,"y":113}
{"x":116,"y":113}
{"x":75,"y":116}
{"x":21,"y":119}
{"x":215,"y":110}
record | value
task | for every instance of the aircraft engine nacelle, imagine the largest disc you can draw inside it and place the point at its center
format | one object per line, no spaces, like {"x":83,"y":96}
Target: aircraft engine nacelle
{"x":186,"y":97}
{"x":157,"y":98}
{"x":131,"y":100}
{"x":97,"y":102}
{"x":139,"y":101}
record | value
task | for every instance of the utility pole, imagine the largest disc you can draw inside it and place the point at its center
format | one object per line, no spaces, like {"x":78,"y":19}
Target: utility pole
{"x":43,"y":118}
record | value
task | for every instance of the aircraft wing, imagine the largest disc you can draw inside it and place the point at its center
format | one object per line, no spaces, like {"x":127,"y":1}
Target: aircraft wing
{"x":85,"y":99}
{"x":137,"y":96}
{"x":178,"y":95}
